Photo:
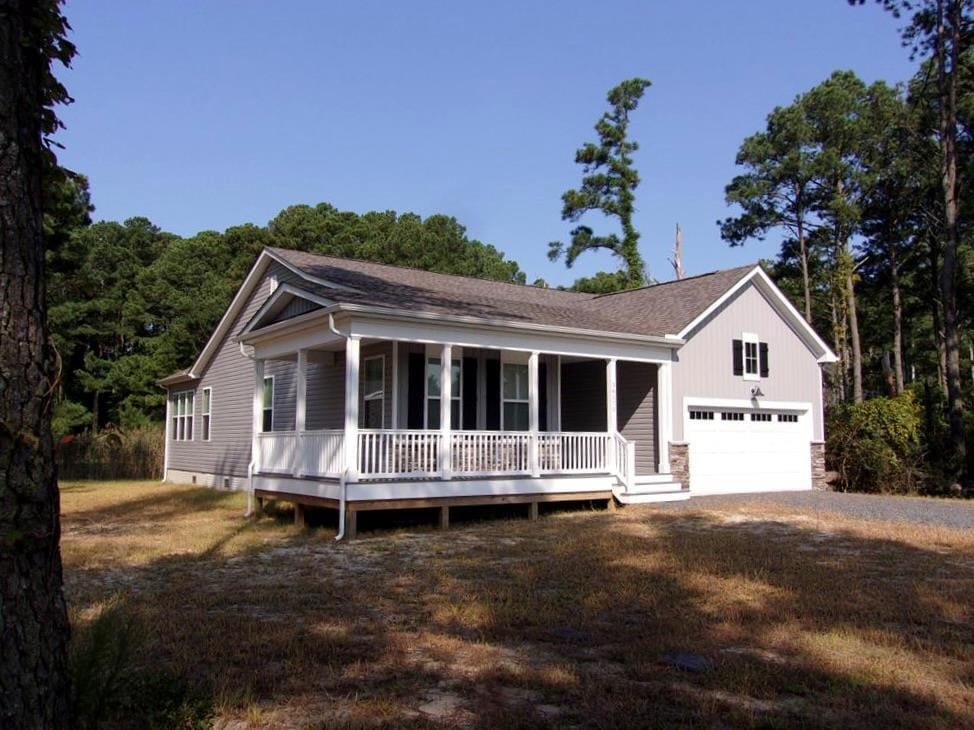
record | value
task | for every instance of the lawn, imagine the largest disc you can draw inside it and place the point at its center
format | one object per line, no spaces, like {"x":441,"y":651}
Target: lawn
{"x":801,"y":619}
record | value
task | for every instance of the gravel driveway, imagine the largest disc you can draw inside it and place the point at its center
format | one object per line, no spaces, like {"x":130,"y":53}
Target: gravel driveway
{"x":955,"y":513}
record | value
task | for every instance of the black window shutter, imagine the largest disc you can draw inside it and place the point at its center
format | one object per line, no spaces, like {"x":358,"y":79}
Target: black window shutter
{"x":738,"y":357}
{"x":416,"y":379}
{"x":469,"y":393}
{"x":492,"y":408}
{"x":763,"y":352}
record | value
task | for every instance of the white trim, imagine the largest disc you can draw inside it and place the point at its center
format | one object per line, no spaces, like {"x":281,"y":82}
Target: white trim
{"x":446,"y":409}
{"x":514,"y":358}
{"x":239,"y":299}
{"x":263,"y":407}
{"x":304,"y":275}
{"x":533,"y":420}
{"x":771,"y":405}
{"x":431,"y":489}
{"x":780,"y":299}
{"x":206,"y":431}
{"x":181,"y":418}
{"x":276,"y":294}
{"x":366,"y":397}
{"x":457,"y":358}
{"x":749,"y":338}
{"x":664,"y":415}
{"x":352,"y":351}
{"x":165,"y":453}
{"x":257,"y":414}
{"x":395,"y":384}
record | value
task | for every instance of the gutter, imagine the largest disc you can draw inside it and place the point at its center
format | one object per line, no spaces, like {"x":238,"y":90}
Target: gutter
{"x":343,"y":481}
{"x":250,"y":466}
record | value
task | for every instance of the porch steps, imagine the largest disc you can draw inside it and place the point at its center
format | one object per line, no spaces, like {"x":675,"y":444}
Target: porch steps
{"x":652,"y":492}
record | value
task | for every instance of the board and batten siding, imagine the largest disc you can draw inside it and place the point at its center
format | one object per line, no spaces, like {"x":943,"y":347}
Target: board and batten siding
{"x":704,"y":368}
{"x":636,"y":411}
{"x":230,"y":376}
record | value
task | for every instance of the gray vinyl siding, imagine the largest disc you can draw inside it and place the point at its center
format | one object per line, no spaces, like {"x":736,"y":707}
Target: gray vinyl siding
{"x":326,"y":392}
{"x":583,"y":396}
{"x":296,"y":307}
{"x":636,"y":411}
{"x":703,"y":367}
{"x":230,"y":375}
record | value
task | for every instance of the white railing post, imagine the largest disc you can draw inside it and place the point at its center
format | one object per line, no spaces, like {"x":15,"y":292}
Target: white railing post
{"x":533,"y":455}
{"x":258,"y":414}
{"x":611,"y":418}
{"x":352,"y":346}
{"x":664,"y":404}
{"x":299,"y":467}
{"x":446,"y":403}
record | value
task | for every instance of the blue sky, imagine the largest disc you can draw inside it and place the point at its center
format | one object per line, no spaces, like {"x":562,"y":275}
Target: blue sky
{"x":203,"y":115}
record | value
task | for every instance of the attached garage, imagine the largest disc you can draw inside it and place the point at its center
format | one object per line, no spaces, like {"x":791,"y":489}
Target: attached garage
{"x":748,"y":448}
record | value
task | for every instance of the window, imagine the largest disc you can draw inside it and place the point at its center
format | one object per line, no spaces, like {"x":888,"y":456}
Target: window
{"x":761,"y":417}
{"x":182,"y":416}
{"x":375,"y":395}
{"x":787,"y":418}
{"x":751,"y":361}
{"x":433,"y":393}
{"x":701,"y":415}
{"x":267,"y":412}
{"x":205,"y":412}
{"x":731,"y":416}
{"x":514,"y":394}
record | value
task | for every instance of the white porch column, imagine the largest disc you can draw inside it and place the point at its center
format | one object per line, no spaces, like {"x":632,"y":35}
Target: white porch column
{"x":664,"y":404}
{"x":258,"y":414}
{"x":300,"y":411}
{"x":395,"y":384}
{"x":533,"y":460}
{"x":611,"y":418}
{"x":446,"y":402}
{"x":352,"y":347}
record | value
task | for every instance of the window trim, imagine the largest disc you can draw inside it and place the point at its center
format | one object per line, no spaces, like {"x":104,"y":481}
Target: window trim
{"x":456,"y":394}
{"x":367,"y":397}
{"x":527,"y":398}
{"x":752,"y":339}
{"x":180,"y":420}
{"x":264,"y":407}
{"x":206,"y":416}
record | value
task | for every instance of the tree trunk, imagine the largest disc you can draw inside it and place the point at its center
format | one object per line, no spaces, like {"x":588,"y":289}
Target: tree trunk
{"x":33,"y":616}
{"x":947,"y":89}
{"x":898,"y":372}
{"x":806,"y":284}
{"x":936,"y":315}
{"x":857,"y":394}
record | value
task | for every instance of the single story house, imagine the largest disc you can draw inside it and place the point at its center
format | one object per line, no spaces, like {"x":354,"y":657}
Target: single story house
{"x":357,"y":385}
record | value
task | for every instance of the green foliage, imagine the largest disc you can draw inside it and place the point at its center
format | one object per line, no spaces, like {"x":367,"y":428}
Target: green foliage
{"x":68,"y":417}
{"x":608,"y":185}
{"x":603,"y":282}
{"x":130,"y":303}
{"x":876,"y":446}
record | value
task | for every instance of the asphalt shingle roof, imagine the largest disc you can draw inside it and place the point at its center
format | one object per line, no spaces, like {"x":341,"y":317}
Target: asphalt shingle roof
{"x":658,"y":310}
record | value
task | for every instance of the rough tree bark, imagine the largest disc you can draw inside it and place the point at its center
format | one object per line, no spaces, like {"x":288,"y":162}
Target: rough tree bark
{"x":949,"y":20}
{"x":33,"y":617}
{"x":857,"y":392}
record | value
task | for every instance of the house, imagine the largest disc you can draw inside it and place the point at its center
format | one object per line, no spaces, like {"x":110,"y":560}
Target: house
{"x":357,"y":385}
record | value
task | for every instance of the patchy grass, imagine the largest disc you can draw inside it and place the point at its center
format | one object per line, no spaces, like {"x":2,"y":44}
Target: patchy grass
{"x":805,"y":619}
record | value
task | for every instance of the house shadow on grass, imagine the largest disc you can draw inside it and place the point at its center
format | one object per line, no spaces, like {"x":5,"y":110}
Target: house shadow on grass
{"x":568,"y":622}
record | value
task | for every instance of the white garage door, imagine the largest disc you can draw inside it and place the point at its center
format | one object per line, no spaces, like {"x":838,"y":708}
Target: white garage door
{"x":748,"y":449}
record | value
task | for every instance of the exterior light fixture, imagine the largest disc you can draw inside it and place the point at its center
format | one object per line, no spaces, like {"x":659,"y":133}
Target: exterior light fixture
{"x":756,"y":392}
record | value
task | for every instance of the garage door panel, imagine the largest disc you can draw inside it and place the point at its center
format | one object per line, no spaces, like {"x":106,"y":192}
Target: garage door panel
{"x":729,"y":455}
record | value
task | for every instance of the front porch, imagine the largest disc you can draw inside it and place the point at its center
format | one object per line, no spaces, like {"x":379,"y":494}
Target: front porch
{"x":372,"y":419}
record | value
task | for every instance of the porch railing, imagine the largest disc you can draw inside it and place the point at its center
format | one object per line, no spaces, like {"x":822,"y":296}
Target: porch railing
{"x":395,"y":453}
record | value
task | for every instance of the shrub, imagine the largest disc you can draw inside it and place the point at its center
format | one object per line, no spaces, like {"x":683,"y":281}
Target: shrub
{"x":134,"y":453}
{"x":876,"y":446}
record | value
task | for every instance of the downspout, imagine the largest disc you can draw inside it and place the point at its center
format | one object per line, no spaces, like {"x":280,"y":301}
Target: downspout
{"x":250,"y":466}
{"x":343,"y":480}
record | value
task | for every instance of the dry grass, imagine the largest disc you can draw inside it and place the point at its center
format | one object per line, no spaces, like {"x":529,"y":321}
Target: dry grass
{"x":807,"y":619}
